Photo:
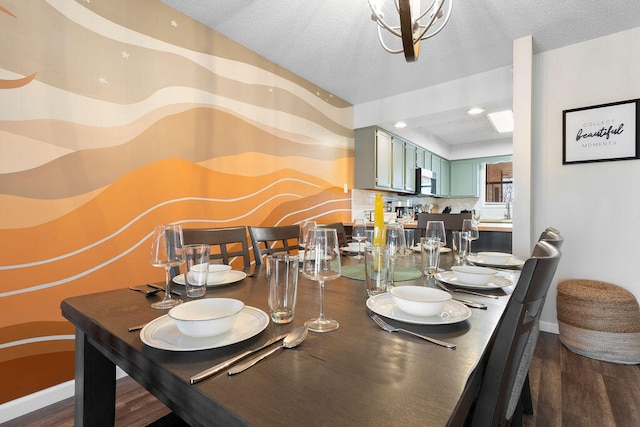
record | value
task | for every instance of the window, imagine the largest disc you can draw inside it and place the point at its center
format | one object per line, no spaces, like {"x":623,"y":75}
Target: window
{"x":498,"y":187}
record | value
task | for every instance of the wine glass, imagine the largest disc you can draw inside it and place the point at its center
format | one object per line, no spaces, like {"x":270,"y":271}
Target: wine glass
{"x":167,"y":250}
{"x":397,"y":244}
{"x":305,"y":226}
{"x":359,"y":233}
{"x":436,"y":229}
{"x":475,"y":216}
{"x":322,"y":263}
{"x":471,"y":227}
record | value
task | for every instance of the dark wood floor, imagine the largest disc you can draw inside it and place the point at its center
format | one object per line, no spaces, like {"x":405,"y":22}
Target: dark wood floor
{"x":568,"y":390}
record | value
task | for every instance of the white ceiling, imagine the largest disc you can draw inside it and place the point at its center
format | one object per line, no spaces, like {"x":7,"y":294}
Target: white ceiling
{"x":333,"y":44}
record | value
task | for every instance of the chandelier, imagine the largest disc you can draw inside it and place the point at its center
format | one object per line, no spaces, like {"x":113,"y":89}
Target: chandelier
{"x":412,"y":27}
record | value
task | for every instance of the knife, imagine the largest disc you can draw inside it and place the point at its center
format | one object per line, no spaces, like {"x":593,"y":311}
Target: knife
{"x":224,"y":365}
{"x":162,"y":288}
{"x":466,"y":302}
{"x":471,"y":303}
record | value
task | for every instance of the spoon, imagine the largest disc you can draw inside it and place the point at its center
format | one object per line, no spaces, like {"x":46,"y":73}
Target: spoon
{"x":294,"y":338}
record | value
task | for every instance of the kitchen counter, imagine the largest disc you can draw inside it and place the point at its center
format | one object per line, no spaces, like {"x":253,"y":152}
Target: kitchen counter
{"x":505,"y":227}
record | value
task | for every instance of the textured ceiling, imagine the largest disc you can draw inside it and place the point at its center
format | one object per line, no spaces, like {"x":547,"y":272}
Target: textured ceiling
{"x":333,"y":43}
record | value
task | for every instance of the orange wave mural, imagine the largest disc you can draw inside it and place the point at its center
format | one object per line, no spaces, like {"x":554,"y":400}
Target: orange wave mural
{"x":147,"y":123}
{"x":109,"y":237}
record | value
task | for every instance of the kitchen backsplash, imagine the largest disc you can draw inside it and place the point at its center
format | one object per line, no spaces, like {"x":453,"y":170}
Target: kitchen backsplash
{"x":363,"y":200}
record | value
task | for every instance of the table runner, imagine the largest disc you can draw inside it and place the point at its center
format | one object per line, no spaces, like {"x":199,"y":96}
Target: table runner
{"x":401,"y":273}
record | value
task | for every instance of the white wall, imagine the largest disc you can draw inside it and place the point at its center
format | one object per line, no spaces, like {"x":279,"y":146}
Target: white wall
{"x":596,"y":206}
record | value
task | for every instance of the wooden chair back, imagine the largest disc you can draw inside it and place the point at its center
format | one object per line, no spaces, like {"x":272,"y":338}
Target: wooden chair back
{"x":270,"y":240}
{"x":226,"y":243}
{"x":451,"y":222}
{"x":342,"y":234}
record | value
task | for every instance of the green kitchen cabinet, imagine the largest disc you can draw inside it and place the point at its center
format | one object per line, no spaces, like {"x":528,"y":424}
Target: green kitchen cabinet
{"x":444,"y":180}
{"x":410,"y":161}
{"x":465,"y":178}
{"x":397,"y":163}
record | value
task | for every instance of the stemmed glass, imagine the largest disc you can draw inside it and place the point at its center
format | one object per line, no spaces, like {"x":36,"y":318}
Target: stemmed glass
{"x":471,"y":227}
{"x":436,"y":229}
{"x":305,"y":226}
{"x":322,"y":263}
{"x":167,"y":250}
{"x":475,"y":216}
{"x":397,"y":245}
{"x":359,"y":233}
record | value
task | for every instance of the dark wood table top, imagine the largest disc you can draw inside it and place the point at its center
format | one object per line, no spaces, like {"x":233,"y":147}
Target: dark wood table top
{"x":356,"y":375}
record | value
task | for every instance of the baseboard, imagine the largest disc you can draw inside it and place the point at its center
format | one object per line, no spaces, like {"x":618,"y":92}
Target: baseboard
{"x":40,"y":399}
{"x":549,"y":327}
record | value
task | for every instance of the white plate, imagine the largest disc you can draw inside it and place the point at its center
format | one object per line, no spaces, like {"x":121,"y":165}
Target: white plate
{"x":231,"y":277}
{"x":443,"y":249}
{"x":450,"y":278}
{"x":384,"y":305}
{"x":513,"y":262}
{"x":163,"y":333}
{"x":352,"y":251}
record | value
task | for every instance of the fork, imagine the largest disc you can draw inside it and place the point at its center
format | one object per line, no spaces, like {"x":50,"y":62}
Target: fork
{"x":387,"y":327}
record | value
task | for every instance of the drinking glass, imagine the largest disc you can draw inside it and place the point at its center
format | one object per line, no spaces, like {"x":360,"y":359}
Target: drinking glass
{"x":359,"y":233}
{"x":459,"y":245}
{"x":430,"y":247}
{"x":305,"y":226}
{"x":472,"y":228}
{"x":322,"y":263}
{"x":397,"y":244}
{"x":167,"y":250}
{"x":436,"y":229}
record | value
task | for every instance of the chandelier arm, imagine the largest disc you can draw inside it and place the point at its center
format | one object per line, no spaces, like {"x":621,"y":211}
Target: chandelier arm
{"x":384,"y":46}
{"x":444,"y":23}
{"x":381,"y":22}
{"x":428,"y":9}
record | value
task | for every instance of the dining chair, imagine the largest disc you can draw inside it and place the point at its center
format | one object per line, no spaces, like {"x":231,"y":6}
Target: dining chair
{"x":226,"y":243}
{"x":269,"y":240}
{"x":340,"y":230}
{"x":552,"y":236}
{"x":499,"y":399}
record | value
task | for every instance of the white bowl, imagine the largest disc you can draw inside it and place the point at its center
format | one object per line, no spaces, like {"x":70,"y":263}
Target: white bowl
{"x":420,"y":300}
{"x":206,"y":317}
{"x":498,"y":258}
{"x":473,"y":275}
{"x":217,"y":272}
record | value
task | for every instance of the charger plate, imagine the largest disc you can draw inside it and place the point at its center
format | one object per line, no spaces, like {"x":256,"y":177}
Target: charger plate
{"x":385,"y":305}
{"x":162,"y":333}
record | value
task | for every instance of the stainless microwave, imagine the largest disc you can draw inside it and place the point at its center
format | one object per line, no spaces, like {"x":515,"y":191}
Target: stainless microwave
{"x":425,"y":182}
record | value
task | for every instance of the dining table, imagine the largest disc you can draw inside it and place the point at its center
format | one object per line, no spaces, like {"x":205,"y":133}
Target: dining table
{"x":356,"y":375}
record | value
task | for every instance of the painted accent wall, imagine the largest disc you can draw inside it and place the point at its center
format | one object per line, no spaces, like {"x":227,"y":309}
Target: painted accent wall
{"x":119,"y":115}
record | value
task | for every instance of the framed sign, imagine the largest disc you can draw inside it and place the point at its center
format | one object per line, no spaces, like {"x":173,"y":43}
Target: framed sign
{"x":601,"y":133}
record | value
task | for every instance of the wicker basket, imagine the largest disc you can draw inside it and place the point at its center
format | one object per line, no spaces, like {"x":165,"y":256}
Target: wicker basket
{"x":599,"y":320}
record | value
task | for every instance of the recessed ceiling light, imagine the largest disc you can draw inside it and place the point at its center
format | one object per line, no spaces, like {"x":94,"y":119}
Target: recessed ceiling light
{"x":476,"y":110}
{"x":400,"y":125}
{"x":502,"y":121}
